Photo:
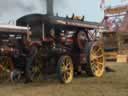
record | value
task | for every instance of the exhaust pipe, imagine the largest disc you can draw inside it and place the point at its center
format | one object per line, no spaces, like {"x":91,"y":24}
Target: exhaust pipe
{"x":50,"y":7}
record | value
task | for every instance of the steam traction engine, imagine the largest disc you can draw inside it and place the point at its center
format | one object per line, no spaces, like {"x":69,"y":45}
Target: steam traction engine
{"x":14,"y":49}
{"x":65,"y":45}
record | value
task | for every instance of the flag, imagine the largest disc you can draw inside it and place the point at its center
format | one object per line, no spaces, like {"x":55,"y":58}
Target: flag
{"x":102,"y":4}
{"x":124,"y":0}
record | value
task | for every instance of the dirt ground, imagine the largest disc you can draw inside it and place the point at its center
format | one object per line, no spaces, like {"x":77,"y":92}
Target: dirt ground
{"x":111,"y":84}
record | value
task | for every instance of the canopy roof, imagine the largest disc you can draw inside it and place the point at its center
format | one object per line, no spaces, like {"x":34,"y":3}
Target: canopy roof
{"x":39,"y":18}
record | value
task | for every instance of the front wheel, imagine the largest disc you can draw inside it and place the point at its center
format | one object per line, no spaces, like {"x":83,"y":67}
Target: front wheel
{"x":30,"y":65}
{"x":37,"y":68}
{"x":65,"y":69}
{"x":95,"y":59}
{"x":6,"y":66}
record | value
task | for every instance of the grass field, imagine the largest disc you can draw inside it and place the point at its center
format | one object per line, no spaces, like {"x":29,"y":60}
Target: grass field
{"x":111,"y":84}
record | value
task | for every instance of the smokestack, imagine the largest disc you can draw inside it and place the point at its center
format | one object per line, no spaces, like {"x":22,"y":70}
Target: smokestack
{"x":50,"y":8}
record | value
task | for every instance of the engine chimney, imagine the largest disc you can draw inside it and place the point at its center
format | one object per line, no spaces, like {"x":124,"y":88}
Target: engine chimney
{"x":50,"y":8}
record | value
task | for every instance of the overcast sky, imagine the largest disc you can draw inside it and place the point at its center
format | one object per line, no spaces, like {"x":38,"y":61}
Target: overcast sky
{"x":13,"y":9}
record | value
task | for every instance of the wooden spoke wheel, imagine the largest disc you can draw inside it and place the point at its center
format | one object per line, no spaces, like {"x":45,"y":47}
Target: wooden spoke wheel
{"x":6,"y":67}
{"x":95,"y":64}
{"x":65,"y":69}
{"x":6,"y":64}
{"x":37,"y":65}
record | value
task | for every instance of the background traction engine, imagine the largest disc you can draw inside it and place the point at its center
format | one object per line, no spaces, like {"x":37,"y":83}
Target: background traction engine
{"x":15,"y":52}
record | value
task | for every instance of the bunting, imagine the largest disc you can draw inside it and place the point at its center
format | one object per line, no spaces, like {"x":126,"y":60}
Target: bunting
{"x":102,"y":4}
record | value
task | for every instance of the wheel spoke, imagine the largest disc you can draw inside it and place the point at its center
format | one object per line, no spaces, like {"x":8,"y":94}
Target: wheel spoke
{"x":100,"y":66}
{"x":99,"y":63}
{"x":93,"y":52}
{"x":100,"y":56}
{"x":93,"y":57}
{"x":94,"y":68}
{"x":69,"y":66}
{"x":65,"y":62}
{"x":93,"y":62}
{"x":68,"y":61}
{"x":98,"y":50}
{"x":63,"y":67}
{"x":68,"y":73}
{"x":65,"y":76}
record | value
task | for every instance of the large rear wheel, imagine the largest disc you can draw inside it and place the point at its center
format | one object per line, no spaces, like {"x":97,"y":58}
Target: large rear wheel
{"x":65,"y":69}
{"x":95,"y":59}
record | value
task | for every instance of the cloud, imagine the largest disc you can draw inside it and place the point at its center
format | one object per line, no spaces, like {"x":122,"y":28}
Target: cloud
{"x":13,"y":9}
